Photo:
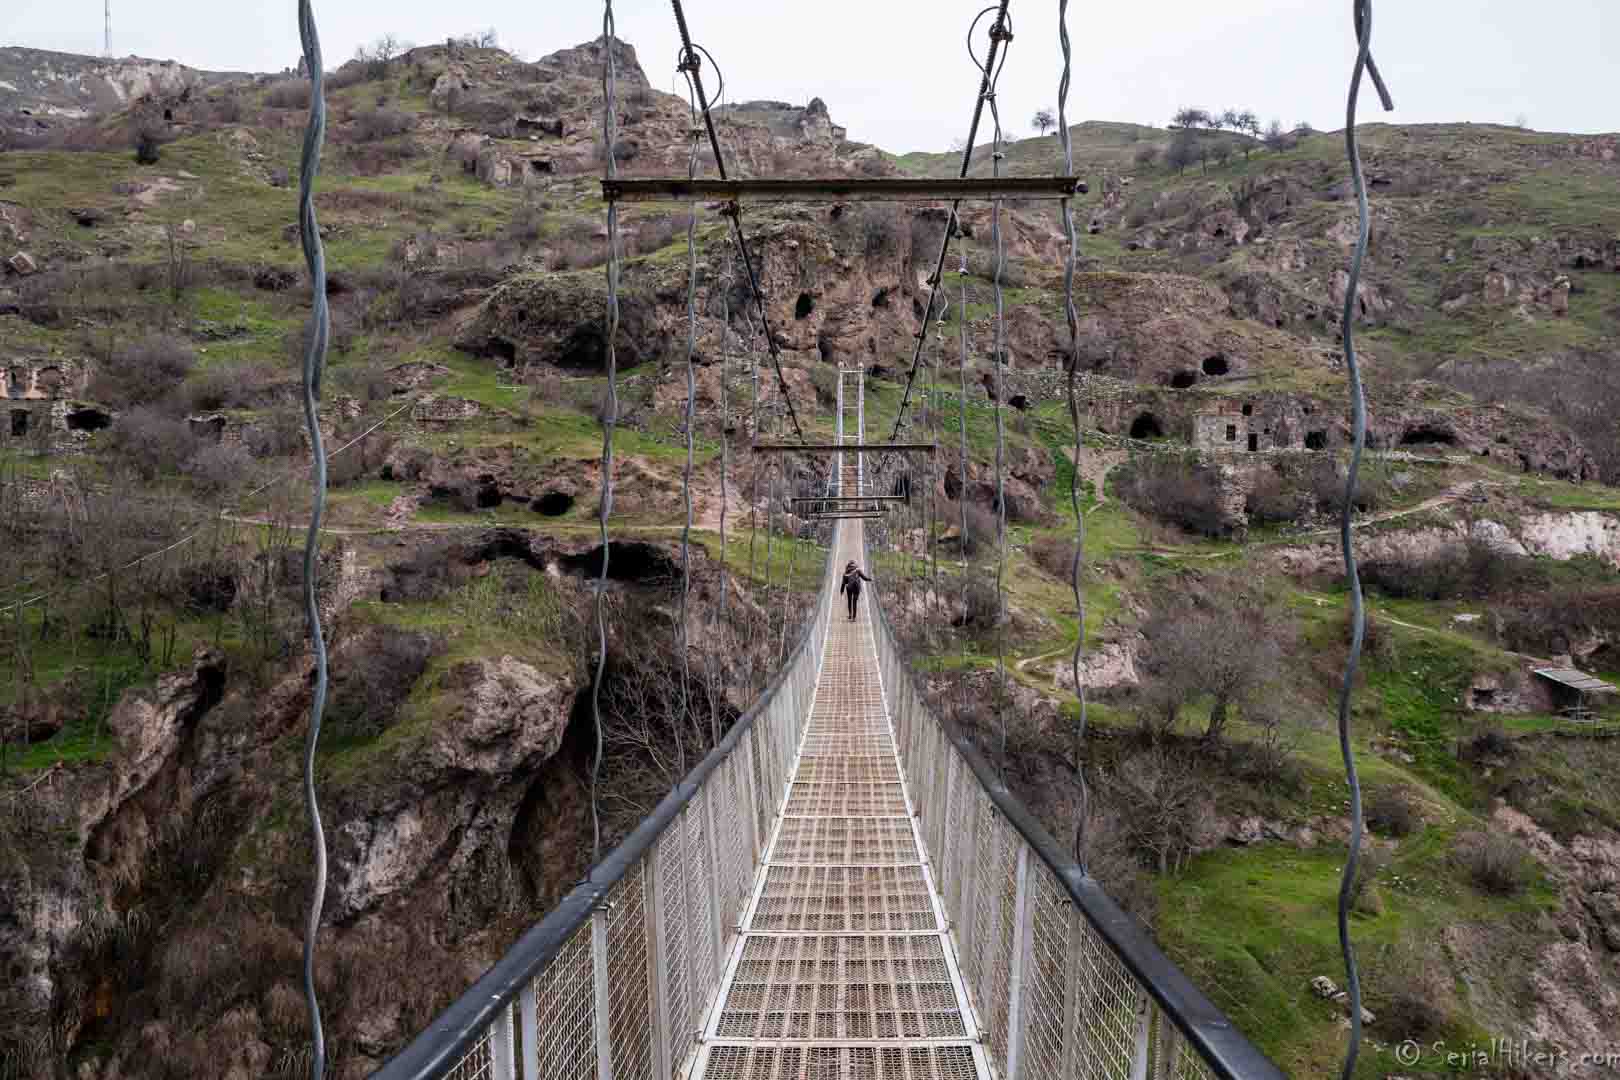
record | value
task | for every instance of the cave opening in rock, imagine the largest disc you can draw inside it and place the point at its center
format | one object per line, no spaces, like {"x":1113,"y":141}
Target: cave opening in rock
{"x":1248,"y":410}
{"x":554,"y":503}
{"x":1216,"y":365}
{"x":880,"y":299}
{"x":87,"y":419}
{"x":1181,"y":380}
{"x":19,"y":423}
{"x":1146,"y":426}
{"x":628,"y":560}
{"x":806,"y":304}
{"x":1316,"y":440}
{"x":488,"y":496}
{"x":824,"y":347}
{"x":1428,"y":435}
{"x":1254,"y":442}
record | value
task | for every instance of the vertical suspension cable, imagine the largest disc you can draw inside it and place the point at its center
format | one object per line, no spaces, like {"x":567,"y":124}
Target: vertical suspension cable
{"x":721,"y":627}
{"x":962,"y":480}
{"x":1077,"y":565}
{"x":753,"y":496}
{"x":1362,"y":17}
{"x":684,"y":634}
{"x":997,"y":362}
{"x":609,"y":422}
{"x":314,"y":358}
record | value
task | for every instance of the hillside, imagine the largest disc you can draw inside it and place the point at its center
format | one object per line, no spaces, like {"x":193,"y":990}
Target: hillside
{"x":152,"y":314}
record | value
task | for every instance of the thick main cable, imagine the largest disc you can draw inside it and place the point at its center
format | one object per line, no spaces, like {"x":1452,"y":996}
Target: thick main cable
{"x":1362,"y":17}
{"x":986,"y":85}
{"x":609,"y":422}
{"x":309,"y":233}
{"x":1077,"y":565}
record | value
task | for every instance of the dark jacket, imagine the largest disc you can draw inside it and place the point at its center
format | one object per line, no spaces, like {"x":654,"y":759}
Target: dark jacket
{"x":852,"y":581}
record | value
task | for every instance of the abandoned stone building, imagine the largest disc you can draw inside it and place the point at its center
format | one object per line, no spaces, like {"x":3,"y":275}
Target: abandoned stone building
{"x":1251,"y":427}
{"x":41,"y":402}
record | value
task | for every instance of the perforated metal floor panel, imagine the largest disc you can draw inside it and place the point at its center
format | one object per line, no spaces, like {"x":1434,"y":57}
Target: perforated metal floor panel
{"x":843,"y":969}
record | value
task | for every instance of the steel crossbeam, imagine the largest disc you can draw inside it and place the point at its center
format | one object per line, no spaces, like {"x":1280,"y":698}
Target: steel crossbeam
{"x":842,"y":189}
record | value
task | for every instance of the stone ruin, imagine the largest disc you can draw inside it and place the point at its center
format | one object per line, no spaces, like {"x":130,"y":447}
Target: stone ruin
{"x":1247,"y":427}
{"x":42,"y":403}
{"x":444,"y":410}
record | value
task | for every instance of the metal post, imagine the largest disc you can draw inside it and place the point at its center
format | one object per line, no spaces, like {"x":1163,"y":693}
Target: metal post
{"x":502,"y":1060}
{"x":599,"y":984}
{"x":839,"y":463}
{"x":529,"y":1013}
{"x":860,"y":426}
{"x":747,"y":747}
{"x":1073,"y":994}
{"x":1018,"y":989}
{"x":711,"y":837}
{"x":1144,"y":1042}
{"x":657,"y":963}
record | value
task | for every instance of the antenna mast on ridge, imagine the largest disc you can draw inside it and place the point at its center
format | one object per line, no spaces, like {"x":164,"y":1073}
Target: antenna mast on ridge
{"x":106,"y":47}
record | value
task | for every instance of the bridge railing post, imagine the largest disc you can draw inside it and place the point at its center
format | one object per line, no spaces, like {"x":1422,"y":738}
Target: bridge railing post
{"x":599,"y":995}
{"x":529,"y":1012}
{"x":1018,"y":983}
{"x":503,"y":1060}
{"x":658,"y":961}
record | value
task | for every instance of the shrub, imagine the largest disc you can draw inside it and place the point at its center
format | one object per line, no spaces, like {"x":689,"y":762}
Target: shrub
{"x":1413,"y":991}
{"x":1055,"y":555}
{"x":147,"y":147}
{"x":1273,"y":499}
{"x":288,"y":94}
{"x":1488,"y":744}
{"x":1176,"y":490}
{"x":1168,"y":807}
{"x":151,"y":443}
{"x":374,"y":124}
{"x":1496,"y":863}
{"x":142,"y":373}
{"x":221,"y":467}
{"x":1390,"y":811}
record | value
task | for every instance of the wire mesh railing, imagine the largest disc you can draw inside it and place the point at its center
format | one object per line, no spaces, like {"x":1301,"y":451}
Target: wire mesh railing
{"x":616,"y":980}
{"x":1064,"y":983}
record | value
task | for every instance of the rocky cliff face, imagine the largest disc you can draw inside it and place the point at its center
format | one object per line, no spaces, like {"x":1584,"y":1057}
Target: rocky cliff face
{"x":39,"y":88}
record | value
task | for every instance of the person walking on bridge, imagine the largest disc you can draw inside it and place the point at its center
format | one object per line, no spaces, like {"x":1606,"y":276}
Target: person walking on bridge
{"x":851,"y":586}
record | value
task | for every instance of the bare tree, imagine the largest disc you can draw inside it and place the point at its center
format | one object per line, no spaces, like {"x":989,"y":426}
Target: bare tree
{"x":1182,"y":151}
{"x":1276,"y":139}
{"x":1222,"y":639}
{"x":1187,"y":119}
{"x":1044,"y":120}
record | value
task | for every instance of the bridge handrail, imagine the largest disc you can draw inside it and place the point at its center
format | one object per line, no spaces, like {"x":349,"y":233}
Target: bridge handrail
{"x":494,"y":1028}
{"x":1027,"y":978}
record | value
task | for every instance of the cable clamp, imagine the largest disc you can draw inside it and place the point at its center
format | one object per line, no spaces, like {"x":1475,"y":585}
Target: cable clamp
{"x":1000,"y":32}
{"x":690,"y":61}
{"x":731,"y":209}
{"x":997,"y":156}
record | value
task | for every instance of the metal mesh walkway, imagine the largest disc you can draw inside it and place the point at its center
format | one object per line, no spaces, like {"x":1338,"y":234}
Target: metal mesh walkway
{"x":844,"y":968}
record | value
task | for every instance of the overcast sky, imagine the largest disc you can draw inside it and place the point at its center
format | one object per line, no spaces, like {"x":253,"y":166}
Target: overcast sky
{"x":895,"y":71}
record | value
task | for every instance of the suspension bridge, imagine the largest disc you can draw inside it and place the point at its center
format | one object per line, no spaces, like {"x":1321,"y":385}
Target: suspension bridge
{"x":843,"y":888}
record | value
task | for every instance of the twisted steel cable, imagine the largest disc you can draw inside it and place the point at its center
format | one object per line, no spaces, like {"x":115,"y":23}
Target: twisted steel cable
{"x":610,"y":77}
{"x":996,"y":364}
{"x":683,"y":633}
{"x":1362,"y":16}
{"x":1073,"y":319}
{"x":309,"y":234}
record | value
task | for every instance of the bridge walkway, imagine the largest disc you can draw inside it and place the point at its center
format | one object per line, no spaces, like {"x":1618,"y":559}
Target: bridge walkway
{"x":844,"y":968}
